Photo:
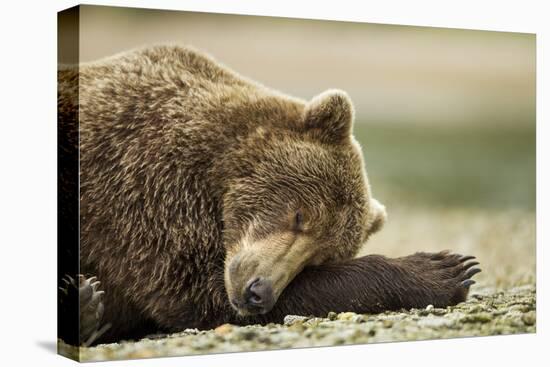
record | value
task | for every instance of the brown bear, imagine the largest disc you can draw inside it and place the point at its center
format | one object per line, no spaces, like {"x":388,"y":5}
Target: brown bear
{"x":208,"y":198}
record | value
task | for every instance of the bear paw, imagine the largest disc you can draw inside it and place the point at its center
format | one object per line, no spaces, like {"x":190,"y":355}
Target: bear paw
{"x":90,"y":303}
{"x":446,"y":275}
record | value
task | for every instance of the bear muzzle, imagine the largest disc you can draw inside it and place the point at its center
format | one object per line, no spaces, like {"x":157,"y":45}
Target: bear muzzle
{"x":258,"y":271}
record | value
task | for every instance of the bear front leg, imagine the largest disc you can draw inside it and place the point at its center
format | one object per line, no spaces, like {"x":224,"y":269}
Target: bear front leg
{"x":373,"y":284}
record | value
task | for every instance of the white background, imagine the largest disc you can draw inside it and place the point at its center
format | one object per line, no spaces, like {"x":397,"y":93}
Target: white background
{"x":28,"y":180}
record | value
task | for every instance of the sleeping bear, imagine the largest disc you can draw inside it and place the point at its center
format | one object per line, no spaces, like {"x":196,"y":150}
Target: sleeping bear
{"x":198,"y":197}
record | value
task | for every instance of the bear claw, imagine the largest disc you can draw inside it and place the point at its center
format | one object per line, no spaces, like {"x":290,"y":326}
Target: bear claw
{"x":466,"y":258}
{"x":471,"y":272}
{"x":469,"y":265}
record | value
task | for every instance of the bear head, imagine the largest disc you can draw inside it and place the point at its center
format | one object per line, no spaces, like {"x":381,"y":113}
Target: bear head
{"x":301,"y":197}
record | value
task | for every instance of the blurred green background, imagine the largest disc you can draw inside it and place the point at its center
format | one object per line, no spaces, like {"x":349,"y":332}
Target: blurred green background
{"x":452,"y":166}
{"x":446,"y":117}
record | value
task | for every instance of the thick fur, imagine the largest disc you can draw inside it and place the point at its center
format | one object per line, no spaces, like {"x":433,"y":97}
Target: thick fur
{"x":180,"y":157}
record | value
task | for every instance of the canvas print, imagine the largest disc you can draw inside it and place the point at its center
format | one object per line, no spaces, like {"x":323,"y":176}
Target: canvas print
{"x":231,"y":183}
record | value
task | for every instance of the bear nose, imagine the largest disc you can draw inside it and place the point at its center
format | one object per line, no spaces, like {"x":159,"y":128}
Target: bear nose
{"x":259,"y":294}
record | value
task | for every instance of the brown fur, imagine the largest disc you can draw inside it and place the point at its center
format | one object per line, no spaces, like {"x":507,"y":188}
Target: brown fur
{"x":187,"y":168}
{"x":375,"y":283}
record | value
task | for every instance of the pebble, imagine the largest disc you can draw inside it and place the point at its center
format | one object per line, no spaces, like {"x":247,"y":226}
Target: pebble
{"x":291,"y":319}
{"x":529,"y":318}
{"x":224,"y":329}
{"x":521,"y":308}
{"x":346,"y":316}
{"x":358,"y":319}
{"x":475,"y":309}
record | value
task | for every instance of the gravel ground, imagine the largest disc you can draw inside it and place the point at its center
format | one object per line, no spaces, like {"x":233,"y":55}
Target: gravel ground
{"x":502,"y":302}
{"x":487,"y":312}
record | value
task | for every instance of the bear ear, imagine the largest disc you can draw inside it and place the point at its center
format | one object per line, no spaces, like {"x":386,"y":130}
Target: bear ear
{"x":329,"y":116}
